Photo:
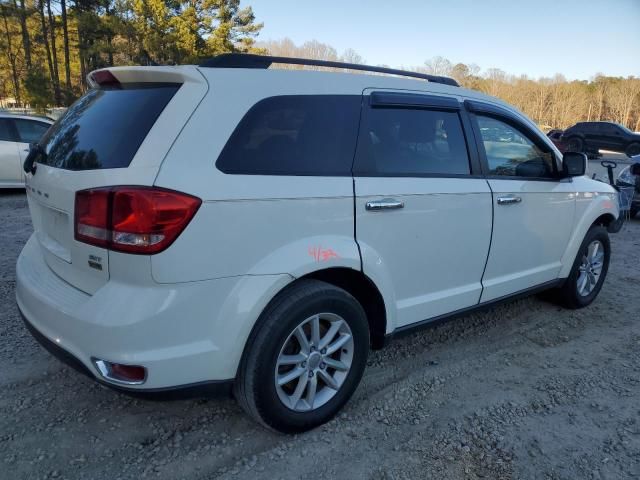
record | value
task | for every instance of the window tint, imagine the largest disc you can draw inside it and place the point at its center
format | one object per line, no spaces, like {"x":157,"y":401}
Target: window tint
{"x":6,"y":133}
{"x":404,"y":141}
{"x":510,"y":152}
{"x":30,"y":131}
{"x":295,"y":135}
{"x":105,"y":127}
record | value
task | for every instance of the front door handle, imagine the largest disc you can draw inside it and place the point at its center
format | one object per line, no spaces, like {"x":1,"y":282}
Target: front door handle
{"x":509,"y":199}
{"x":384,"y":204}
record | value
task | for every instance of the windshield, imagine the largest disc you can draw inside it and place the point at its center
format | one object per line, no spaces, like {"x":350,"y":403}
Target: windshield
{"x":625,"y":128}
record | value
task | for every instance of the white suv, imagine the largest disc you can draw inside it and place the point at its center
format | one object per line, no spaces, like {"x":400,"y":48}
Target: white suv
{"x":229,"y":223}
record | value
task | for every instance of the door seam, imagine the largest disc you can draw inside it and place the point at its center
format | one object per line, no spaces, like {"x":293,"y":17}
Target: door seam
{"x":486,"y":262}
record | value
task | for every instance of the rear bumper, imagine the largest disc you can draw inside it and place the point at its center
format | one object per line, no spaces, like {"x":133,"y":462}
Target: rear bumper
{"x":183,"y":334}
{"x":219,"y":387}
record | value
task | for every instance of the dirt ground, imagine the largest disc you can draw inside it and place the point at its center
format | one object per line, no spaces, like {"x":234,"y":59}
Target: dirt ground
{"x":527,"y":390}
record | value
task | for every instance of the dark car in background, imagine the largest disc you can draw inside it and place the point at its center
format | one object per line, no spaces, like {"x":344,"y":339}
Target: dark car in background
{"x":555,"y":135}
{"x":590,"y":137}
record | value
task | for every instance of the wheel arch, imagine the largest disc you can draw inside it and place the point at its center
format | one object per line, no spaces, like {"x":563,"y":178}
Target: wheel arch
{"x":604,"y":220}
{"x":363,"y":289}
{"x":602,"y":211}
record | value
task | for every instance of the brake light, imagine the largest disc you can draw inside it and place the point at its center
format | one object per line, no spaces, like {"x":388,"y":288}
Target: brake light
{"x":144,"y":220}
{"x":104,"y":77}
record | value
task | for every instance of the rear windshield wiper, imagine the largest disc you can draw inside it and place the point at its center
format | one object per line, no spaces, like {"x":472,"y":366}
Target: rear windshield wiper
{"x":36,"y":154}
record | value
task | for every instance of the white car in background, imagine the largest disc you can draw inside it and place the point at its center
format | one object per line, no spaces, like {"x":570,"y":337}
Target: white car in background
{"x":16,"y":133}
{"x":265,"y":228}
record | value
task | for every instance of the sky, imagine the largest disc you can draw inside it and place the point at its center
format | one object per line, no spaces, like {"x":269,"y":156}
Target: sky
{"x":538,"y":38}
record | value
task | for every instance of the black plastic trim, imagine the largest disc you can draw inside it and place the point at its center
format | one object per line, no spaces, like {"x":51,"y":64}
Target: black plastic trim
{"x":412,"y":100}
{"x":432,"y":322}
{"x":191,"y":390}
{"x":247,"y":60}
{"x":472,"y":145}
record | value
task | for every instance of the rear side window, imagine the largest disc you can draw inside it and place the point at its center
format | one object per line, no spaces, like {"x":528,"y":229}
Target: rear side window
{"x":30,"y":131}
{"x":406,"y":142}
{"x":105,"y":128}
{"x":6,"y":133}
{"x":295,"y":135}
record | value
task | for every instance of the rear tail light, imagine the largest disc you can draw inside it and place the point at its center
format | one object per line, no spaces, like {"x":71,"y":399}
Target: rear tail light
{"x":142,"y":220}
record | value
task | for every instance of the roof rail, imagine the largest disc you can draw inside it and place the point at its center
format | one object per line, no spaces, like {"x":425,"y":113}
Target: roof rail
{"x":248,"y":60}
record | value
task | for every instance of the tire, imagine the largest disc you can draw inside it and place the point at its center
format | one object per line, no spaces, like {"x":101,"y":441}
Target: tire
{"x":633,"y":212}
{"x":575,"y":144}
{"x":632,"y":149}
{"x":570,"y":293}
{"x":275,"y":332}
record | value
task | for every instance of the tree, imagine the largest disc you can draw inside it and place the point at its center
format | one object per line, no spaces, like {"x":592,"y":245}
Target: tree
{"x":438,"y":66}
{"x":45,"y":39}
{"x":54,"y":51}
{"x":26,"y":42}
{"x":233,"y":28}
{"x":10,"y":52}
{"x":67,"y":64}
{"x":38,"y":89}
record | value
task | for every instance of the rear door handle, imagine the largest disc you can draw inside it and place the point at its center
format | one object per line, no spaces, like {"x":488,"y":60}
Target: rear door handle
{"x":509,"y":199}
{"x":384,"y":204}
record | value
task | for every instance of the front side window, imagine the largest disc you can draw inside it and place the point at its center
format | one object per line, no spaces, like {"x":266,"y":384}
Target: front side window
{"x":295,"y":135}
{"x":30,"y":131}
{"x":510,"y":152}
{"x":406,"y":142}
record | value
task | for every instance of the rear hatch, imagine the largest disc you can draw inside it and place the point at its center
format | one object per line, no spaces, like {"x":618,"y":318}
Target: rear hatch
{"x":118,"y":133}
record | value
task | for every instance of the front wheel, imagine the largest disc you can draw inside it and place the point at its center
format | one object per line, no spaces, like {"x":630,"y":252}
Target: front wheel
{"x":575,"y":144}
{"x":632,"y":150}
{"x":589,"y":269}
{"x":305,"y":358}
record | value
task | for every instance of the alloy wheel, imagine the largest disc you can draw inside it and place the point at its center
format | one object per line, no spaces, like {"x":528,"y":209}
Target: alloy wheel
{"x":590,"y":268}
{"x":314,"y":362}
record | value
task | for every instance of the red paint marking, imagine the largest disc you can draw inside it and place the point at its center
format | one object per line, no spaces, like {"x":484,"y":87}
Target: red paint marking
{"x":322,"y":254}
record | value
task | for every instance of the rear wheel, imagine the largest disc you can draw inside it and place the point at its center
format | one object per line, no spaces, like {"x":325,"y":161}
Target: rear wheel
{"x":633,"y":149}
{"x":589,"y":269}
{"x":305,"y":358}
{"x":634,"y":211}
{"x":575,"y":144}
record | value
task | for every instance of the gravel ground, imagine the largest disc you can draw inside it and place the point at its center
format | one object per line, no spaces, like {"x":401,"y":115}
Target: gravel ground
{"x":527,"y":390}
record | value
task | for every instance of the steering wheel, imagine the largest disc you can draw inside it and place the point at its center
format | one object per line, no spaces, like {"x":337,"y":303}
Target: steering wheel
{"x":608,"y":164}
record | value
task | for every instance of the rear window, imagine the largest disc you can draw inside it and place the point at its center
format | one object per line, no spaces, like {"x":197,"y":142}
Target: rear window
{"x":105,"y":128}
{"x":295,"y":135}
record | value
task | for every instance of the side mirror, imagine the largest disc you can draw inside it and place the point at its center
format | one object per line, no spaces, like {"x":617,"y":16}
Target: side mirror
{"x":574,"y":164}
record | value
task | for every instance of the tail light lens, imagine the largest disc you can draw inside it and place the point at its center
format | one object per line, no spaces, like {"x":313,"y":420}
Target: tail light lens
{"x":142,"y":220}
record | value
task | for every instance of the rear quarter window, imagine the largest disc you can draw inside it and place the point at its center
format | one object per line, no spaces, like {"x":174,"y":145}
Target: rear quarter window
{"x":105,"y":127}
{"x":295,"y":135}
